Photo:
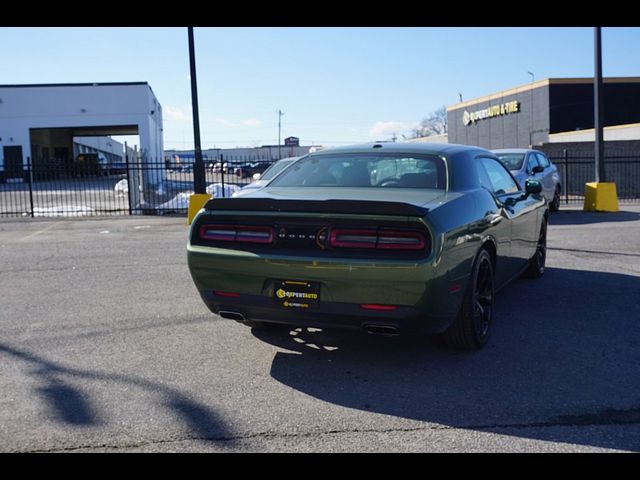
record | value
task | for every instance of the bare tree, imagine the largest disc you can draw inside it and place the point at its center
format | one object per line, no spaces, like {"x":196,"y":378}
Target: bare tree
{"x":434,"y":124}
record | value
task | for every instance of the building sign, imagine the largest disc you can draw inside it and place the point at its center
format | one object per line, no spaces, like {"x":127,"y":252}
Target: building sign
{"x":490,"y":112}
{"x":292,"y":142}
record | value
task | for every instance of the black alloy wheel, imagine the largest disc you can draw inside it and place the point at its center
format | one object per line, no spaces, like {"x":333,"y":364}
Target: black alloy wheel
{"x":537,"y":262}
{"x":472,"y":326}
{"x":554,"y":206}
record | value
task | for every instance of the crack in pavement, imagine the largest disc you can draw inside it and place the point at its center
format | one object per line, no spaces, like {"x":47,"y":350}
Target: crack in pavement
{"x":579,"y":250}
{"x":607,"y":417}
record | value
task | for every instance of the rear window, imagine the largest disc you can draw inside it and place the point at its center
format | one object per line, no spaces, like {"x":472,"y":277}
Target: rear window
{"x":513,"y":161}
{"x":366,"y":170}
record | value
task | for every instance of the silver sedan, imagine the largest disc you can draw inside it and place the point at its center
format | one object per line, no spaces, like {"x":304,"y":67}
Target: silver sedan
{"x":524,"y":163}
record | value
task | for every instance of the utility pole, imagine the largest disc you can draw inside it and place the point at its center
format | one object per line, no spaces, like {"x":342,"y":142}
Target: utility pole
{"x":198,"y":167}
{"x":280,"y":114}
{"x":598,"y":112}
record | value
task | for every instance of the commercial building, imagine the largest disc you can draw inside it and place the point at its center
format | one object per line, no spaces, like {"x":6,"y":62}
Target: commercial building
{"x":39,"y":122}
{"x":546,"y":113}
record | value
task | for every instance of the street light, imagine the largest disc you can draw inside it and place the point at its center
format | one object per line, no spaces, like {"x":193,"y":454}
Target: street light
{"x":280,"y":114}
{"x":533,"y":77}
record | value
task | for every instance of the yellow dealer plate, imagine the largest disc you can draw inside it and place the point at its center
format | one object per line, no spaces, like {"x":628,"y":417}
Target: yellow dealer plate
{"x":297,"y":294}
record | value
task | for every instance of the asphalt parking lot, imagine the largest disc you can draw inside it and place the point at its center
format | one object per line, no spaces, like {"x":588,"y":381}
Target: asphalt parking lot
{"x":105,"y":345}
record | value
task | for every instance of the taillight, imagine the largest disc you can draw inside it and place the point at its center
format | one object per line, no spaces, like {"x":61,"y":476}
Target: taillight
{"x":383,"y":239}
{"x":401,"y":240}
{"x":353,"y":238}
{"x":226,"y":294}
{"x":380,"y":308}
{"x":237,"y":233}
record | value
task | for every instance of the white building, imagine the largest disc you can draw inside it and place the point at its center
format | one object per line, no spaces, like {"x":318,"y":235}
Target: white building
{"x":39,"y":122}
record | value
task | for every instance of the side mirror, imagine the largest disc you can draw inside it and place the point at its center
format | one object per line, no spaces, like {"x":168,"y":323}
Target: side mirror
{"x":532,"y":186}
{"x":537,"y":169}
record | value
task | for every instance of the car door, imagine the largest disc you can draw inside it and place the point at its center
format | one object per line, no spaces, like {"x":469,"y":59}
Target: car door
{"x":516,"y":210}
{"x":547,"y":176}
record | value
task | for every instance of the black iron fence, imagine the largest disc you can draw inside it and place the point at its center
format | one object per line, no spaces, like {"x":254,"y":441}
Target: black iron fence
{"x":159,"y":187}
{"x":139,"y":187}
{"x":576,"y":169}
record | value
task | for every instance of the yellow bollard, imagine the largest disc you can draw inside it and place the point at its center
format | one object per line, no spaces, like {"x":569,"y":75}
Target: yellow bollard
{"x":600,"y":197}
{"x":196,"y":202}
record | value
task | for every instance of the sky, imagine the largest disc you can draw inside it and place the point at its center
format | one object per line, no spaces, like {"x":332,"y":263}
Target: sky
{"x":336,"y":86}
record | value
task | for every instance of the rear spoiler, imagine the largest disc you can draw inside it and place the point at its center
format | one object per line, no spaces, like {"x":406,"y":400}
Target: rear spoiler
{"x":365,"y":207}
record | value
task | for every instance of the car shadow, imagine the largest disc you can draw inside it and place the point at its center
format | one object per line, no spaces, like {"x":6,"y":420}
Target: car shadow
{"x":70,"y":405}
{"x":564,"y":353}
{"x":580,"y":217}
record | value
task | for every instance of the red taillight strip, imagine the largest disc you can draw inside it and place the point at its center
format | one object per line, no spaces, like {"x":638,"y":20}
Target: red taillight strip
{"x":382,"y":308}
{"x":226,"y":294}
{"x":383,"y":239}
{"x":237,"y":233}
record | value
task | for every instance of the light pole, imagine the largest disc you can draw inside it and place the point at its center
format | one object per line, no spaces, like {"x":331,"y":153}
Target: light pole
{"x":598,"y":107}
{"x":280,"y":114}
{"x":199,"y":186}
{"x":533,"y":77}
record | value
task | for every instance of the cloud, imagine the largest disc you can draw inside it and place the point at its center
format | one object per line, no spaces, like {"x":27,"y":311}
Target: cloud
{"x":381,"y":130}
{"x":252,"y":122}
{"x":226,"y":123}
{"x":177,"y":114}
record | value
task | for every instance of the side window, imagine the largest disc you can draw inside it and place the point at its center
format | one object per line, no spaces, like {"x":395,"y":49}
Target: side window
{"x":531,"y":162}
{"x":485,"y":181}
{"x":543,"y":160}
{"x":501,"y":181}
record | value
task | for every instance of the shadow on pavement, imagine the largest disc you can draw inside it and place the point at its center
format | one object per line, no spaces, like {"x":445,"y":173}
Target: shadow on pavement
{"x":565,"y":352}
{"x":579,"y":217}
{"x":72,"y":406}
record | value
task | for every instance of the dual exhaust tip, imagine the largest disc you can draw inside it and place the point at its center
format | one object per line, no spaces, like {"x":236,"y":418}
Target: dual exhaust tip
{"x":386,"y":330}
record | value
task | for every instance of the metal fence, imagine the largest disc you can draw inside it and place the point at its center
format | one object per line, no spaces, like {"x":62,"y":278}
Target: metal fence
{"x":576,"y":169}
{"x":160,"y":187}
{"x":149,"y":187}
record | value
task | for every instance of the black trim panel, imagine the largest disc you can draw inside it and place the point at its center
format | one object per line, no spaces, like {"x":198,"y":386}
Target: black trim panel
{"x":366,"y":207}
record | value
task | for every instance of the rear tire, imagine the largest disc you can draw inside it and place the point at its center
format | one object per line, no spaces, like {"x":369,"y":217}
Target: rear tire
{"x":537,"y":262}
{"x":472,"y":327}
{"x":554,"y":206}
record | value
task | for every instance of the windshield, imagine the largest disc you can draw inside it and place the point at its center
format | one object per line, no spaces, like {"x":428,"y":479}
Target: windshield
{"x":276,"y":168}
{"x":366,"y":170}
{"x":513,"y":161}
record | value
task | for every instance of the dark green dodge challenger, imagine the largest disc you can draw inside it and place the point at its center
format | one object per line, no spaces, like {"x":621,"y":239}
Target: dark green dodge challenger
{"x":387,"y":237}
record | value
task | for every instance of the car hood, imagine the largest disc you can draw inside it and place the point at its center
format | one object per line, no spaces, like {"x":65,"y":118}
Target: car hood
{"x":413,"y":196}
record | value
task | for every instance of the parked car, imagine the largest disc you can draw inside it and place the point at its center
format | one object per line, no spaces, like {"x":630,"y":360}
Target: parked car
{"x":422,"y":249}
{"x":117,"y":168}
{"x":265,"y":177}
{"x":226,"y":167}
{"x":248,"y":170}
{"x":526,"y":163}
{"x":90,"y":164}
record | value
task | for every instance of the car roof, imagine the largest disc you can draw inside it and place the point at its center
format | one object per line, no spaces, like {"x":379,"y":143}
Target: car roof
{"x":401,"y":147}
{"x":516,"y":150}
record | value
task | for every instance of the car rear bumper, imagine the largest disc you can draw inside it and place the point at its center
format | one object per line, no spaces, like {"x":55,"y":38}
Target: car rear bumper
{"x":402,"y":320}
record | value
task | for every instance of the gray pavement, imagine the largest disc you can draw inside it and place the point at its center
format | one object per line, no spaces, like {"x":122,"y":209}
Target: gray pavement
{"x":105,"y":345}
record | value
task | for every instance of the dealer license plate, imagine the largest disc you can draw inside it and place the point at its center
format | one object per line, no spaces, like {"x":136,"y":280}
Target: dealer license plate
{"x":296,"y":294}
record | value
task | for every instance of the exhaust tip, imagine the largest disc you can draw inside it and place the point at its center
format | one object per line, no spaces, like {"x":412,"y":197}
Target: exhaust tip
{"x":387,"y":330}
{"x":230,"y":315}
